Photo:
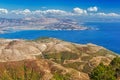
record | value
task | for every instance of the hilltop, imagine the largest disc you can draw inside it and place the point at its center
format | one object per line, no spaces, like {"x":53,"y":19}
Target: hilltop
{"x":50,"y":59}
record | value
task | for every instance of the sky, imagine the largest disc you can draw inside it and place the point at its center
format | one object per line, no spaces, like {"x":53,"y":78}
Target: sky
{"x":67,"y":7}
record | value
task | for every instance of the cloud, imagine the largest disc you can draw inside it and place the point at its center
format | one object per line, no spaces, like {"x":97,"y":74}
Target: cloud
{"x":23,"y":12}
{"x":52,"y":12}
{"x":108,"y":14}
{"x":79,"y":11}
{"x":37,"y":12}
{"x":93,"y":9}
{"x":3,"y":11}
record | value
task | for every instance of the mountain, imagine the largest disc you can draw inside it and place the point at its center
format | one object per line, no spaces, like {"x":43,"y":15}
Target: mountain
{"x":50,"y":59}
{"x":10,"y":25}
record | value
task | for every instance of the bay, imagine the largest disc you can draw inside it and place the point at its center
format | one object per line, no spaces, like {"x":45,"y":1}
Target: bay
{"x":107,"y":36}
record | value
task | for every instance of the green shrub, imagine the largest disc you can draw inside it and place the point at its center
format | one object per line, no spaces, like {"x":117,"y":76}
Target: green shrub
{"x":58,"y":76}
{"x":22,"y":72}
{"x":102,"y":72}
{"x":115,"y":64}
{"x":110,"y":72}
{"x":61,"y":57}
{"x":74,"y":65}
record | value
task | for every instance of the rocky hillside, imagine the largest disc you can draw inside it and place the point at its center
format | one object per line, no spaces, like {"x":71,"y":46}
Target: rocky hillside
{"x":49,"y":59}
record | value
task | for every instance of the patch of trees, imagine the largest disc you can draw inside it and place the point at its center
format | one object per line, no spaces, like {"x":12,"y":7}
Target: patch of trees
{"x":110,"y":72}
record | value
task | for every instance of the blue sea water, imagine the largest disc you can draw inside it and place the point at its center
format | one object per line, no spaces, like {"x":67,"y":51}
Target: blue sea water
{"x":107,"y":36}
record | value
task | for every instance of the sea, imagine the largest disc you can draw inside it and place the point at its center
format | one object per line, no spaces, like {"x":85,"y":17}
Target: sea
{"x":106,"y":35}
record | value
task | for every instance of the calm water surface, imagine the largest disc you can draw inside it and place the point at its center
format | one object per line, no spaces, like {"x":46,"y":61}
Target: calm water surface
{"x":108,"y":35}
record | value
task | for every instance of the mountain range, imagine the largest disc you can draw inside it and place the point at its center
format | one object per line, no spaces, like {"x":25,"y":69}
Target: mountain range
{"x":11,"y":25}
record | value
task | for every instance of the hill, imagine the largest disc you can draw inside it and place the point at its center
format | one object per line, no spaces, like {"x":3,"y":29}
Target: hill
{"x":50,"y":59}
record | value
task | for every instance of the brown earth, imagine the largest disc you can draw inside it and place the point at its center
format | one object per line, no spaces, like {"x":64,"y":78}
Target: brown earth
{"x":48,"y":56}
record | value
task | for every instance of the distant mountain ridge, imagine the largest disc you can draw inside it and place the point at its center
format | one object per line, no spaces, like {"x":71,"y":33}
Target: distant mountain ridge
{"x":7,"y":25}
